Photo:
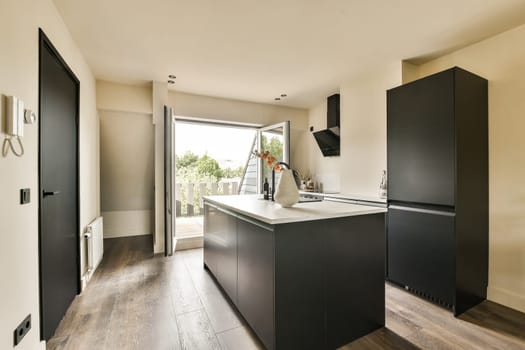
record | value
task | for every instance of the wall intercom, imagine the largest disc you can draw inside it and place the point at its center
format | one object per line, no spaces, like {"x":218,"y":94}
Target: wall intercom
{"x":15,"y":117}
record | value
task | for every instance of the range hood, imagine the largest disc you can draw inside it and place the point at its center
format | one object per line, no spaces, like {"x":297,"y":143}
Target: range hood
{"x":328,"y":139}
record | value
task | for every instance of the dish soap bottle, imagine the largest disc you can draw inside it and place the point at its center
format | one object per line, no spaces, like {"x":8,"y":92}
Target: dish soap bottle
{"x":266,"y":189}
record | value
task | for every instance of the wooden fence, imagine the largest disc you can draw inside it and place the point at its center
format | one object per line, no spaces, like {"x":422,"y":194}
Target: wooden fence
{"x":188,"y":196}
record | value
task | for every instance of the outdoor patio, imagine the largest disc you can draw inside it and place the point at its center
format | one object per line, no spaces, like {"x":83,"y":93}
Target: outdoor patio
{"x":189,"y":226}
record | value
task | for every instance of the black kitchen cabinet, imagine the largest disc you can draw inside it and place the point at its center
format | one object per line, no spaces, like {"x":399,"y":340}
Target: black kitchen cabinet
{"x":416,"y":238}
{"x":226,"y":257}
{"x":302,"y":285}
{"x":348,"y":316}
{"x":421,"y":141}
{"x":300,"y":270}
{"x":255,"y":278}
{"x":437,"y":160}
{"x":212,"y":227}
{"x":220,"y":248}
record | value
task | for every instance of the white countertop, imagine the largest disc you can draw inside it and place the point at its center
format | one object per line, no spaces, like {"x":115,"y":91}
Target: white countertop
{"x":272,"y":213}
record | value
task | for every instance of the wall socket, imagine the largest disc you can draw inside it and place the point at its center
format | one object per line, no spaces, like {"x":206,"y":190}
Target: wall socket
{"x":22,"y":329}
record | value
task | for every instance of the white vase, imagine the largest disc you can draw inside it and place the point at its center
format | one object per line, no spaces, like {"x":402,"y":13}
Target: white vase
{"x":286,"y":193}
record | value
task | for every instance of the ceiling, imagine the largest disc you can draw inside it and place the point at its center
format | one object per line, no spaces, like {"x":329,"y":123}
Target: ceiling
{"x":255,"y":50}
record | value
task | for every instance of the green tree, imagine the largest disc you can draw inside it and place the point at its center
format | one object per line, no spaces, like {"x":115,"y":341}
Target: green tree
{"x":274,"y":146}
{"x":188,"y":159}
{"x":230,"y":173}
{"x":207,"y":166}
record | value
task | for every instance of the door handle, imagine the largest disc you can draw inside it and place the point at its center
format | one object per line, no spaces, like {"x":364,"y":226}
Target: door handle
{"x":421,"y":210}
{"x":50,"y":193}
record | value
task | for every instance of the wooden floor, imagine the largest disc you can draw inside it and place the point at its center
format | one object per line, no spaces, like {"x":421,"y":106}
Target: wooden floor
{"x":140,"y":301}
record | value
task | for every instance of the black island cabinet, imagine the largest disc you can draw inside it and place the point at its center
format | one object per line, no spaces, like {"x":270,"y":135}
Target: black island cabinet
{"x":301,"y":285}
{"x":437,"y":152}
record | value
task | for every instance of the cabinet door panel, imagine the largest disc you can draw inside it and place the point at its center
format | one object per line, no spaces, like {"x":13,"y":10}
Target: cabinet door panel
{"x":354,"y":277}
{"x":256,"y":279}
{"x":227,"y":256}
{"x":213,"y":220}
{"x":299,"y":285}
{"x":220,"y":248}
{"x":420,"y":138}
{"x":421,"y":252}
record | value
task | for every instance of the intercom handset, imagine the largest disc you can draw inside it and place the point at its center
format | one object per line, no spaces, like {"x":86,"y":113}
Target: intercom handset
{"x":14,"y":125}
{"x":15,"y":116}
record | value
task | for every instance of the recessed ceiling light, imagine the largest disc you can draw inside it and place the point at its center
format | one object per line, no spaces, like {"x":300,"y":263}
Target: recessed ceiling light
{"x":171,"y":76}
{"x":283,"y":95}
{"x":171,"y":81}
{"x":277,"y":99}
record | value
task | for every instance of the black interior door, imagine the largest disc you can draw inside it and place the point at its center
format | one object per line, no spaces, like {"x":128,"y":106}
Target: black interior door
{"x":59,"y":225}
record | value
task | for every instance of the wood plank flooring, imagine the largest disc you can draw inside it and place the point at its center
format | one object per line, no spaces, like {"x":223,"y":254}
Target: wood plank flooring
{"x":140,"y":301}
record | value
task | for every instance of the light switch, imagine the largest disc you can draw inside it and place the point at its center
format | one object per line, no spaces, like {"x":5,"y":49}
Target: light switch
{"x":25,"y":195}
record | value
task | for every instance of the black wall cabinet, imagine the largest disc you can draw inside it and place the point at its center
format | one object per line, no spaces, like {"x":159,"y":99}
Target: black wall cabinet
{"x":437,"y":141}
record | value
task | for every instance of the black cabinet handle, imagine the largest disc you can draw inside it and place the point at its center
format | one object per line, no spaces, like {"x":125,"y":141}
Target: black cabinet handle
{"x":50,"y":193}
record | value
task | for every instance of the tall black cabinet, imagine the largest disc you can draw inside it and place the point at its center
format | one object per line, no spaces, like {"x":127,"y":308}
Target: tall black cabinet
{"x":437,"y":229}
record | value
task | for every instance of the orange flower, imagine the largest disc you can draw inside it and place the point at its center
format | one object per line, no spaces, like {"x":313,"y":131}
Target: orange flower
{"x":269,"y":159}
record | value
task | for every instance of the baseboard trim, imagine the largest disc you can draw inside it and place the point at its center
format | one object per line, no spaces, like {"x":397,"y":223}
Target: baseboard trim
{"x":506,"y":297}
{"x":119,"y":234}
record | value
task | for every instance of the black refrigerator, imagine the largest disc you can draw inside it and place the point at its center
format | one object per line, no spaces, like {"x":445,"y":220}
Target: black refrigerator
{"x":437,"y":154}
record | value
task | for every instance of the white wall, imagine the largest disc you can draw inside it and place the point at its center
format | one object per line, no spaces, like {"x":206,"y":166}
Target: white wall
{"x":126,"y":173}
{"x":127,"y":158}
{"x":359,"y":168}
{"x":19,"y":292}
{"x":363,"y":139}
{"x":501,"y":60}
{"x":326,"y":170}
{"x":113,"y":96}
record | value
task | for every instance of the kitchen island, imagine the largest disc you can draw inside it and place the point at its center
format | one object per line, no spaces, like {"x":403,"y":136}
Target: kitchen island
{"x":306,"y":277}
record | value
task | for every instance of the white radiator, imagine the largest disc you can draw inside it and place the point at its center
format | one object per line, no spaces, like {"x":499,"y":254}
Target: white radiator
{"x":95,"y":246}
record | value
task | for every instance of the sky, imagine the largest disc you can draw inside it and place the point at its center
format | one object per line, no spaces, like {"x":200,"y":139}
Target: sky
{"x":230,"y":146}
